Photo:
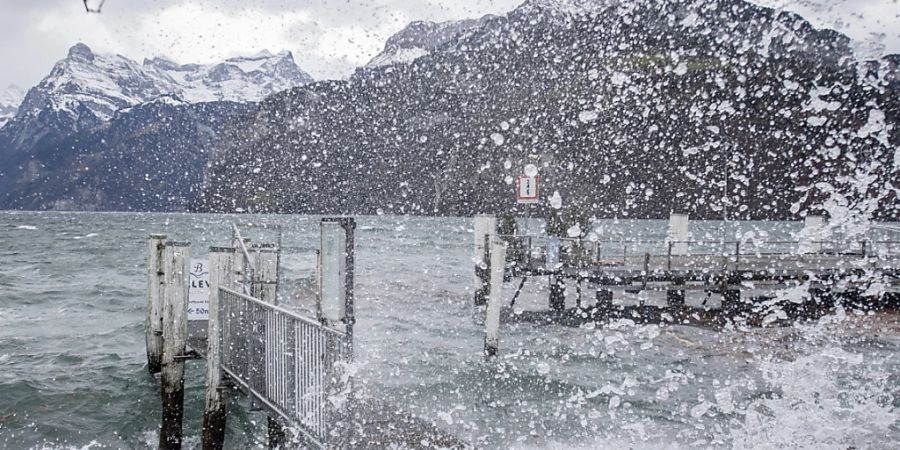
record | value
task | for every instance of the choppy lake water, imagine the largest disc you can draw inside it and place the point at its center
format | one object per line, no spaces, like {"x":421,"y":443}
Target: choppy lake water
{"x":73,"y":375}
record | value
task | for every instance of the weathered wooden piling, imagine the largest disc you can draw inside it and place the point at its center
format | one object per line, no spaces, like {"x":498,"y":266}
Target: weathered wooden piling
{"x":485,"y":229}
{"x":557,"y":293}
{"x":177,"y":258}
{"x":495,"y":297}
{"x":276,"y":434}
{"x":221,"y":274}
{"x":155,"y":282}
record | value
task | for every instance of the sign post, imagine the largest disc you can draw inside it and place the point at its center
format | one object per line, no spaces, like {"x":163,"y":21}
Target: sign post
{"x":527,"y":189}
{"x":198,"y":295}
{"x":527,"y":193}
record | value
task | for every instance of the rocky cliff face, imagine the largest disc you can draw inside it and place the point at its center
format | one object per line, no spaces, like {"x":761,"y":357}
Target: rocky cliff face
{"x":631,"y":109}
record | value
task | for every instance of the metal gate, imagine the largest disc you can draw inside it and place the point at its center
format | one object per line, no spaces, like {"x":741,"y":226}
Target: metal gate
{"x":290,"y":364}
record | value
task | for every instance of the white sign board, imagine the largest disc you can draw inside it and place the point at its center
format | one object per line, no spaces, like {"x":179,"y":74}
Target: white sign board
{"x":198,"y":295}
{"x":527,"y":189}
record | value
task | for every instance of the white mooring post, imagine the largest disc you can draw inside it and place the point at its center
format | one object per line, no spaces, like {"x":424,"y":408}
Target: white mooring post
{"x":265,"y":273}
{"x":495,"y":297}
{"x":335,"y":272}
{"x":155,"y":284}
{"x":811,"y":235}
{"x":221,"y":274}
{"x":677,"y":237}
{"x":485,"y":230}
{"x":177,"y":258}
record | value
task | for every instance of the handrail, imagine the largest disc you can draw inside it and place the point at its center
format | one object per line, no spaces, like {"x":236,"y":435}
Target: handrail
{"x":248,"y":261}
{"x":702,"y":242}
{"x":287,"y":312}
{"x":887,"y":227}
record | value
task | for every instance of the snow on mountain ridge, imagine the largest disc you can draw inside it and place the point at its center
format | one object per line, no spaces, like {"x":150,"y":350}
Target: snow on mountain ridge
{"x":10,"y":98}
{"x":420,"y":38}
{"x":103,"y":84}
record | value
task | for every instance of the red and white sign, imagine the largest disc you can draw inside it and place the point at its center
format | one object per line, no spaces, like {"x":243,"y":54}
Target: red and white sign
{"x":527,"y":189}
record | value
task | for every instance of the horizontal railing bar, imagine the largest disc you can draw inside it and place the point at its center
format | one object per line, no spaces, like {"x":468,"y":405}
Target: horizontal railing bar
{"x":284,"y":311}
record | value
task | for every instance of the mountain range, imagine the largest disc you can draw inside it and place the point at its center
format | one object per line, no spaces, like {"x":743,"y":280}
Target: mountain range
{"x":628,"y":109}
{"x":81,"y":136}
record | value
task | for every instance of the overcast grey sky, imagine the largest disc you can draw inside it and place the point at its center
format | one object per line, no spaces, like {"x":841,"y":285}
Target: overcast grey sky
{"x":329,"y":38}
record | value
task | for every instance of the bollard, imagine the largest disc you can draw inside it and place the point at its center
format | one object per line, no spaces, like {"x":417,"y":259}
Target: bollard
{"x":177,"y":257}
{"x":495,"y":297}
{"x":155,"y":284}
{"x":221,"y":274}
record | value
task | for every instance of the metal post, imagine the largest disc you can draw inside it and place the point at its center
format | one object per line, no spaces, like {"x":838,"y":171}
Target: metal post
{"x":221,"y":263}
{"x":155,"y":290}
{"x":177,"y":258}
{"x":669,"y":258}
{"x":485,"y":228}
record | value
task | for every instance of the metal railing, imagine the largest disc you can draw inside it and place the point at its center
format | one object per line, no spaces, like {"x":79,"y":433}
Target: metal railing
{"x":531,"y":251}
{"x":289,"y":363}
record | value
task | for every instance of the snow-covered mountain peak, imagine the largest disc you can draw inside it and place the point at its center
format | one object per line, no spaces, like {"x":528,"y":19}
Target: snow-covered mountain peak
{"x":420,"y":38}
{"x":10,"y":98}
{"x":87,"y":83}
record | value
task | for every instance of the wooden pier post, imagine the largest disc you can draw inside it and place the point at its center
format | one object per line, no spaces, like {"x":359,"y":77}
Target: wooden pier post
{"x":155,"y":284}
{"x":485,"y":229}
{"x":275,"y":432}
{"x":604,"y":304}
{"x":221,"y":274}
{"x":557,"y":293}
{"x":177,"y":259}
{"x":731,"y":301}
{"x":495,"y":297}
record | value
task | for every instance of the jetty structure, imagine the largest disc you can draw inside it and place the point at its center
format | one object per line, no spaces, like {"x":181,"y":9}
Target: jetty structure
{"x":224,"y":310}
{"x":745,"y":277}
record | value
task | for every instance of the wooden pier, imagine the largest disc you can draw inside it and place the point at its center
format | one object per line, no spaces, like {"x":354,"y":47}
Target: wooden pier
{"x":293,"y":367}
{"x":744,"y":277}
